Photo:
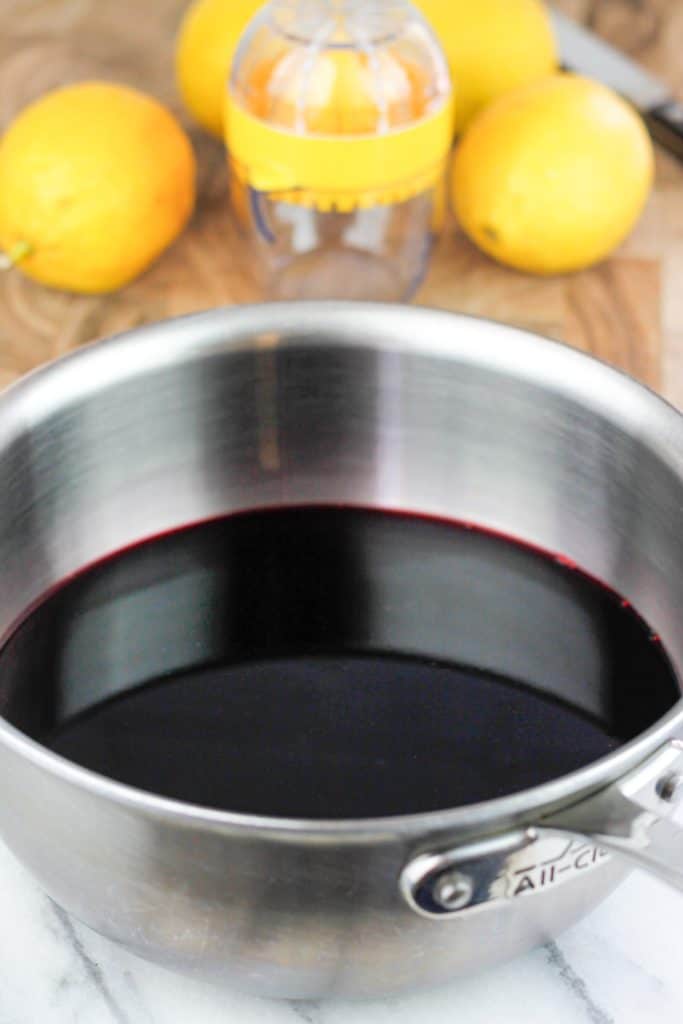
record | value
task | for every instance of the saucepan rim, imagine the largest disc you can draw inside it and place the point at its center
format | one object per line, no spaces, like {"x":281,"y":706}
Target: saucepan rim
{"x":555,"y":365}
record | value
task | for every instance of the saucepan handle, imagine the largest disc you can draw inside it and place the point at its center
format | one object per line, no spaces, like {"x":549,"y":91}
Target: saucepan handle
{"x":638,"y":816}
{"x":634,"y":818}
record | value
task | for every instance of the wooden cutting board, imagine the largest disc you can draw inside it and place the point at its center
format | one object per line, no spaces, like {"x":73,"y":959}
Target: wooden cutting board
{"x":629,"y":310}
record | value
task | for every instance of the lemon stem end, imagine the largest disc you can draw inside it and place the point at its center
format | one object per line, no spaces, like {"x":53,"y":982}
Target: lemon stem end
{"x":15,"y":255}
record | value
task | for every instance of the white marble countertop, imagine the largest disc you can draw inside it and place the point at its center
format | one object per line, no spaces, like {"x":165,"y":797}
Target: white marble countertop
{"x":621,"y":965}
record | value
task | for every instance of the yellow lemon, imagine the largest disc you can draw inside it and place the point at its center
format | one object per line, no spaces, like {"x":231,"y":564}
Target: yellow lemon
{"x":492,"y":46}
{"x":96,"y":180}
{"x":551,"y":177}
{"x":207,"y":39}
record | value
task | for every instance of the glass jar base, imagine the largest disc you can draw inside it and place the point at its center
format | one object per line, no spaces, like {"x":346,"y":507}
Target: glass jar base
{"x":338,"y":273}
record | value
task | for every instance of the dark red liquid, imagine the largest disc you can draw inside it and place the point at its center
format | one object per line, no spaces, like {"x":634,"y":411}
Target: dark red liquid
{"x":323,"y":662}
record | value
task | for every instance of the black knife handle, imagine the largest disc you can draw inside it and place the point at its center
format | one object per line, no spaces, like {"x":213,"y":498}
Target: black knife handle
{"x":666,"y":126}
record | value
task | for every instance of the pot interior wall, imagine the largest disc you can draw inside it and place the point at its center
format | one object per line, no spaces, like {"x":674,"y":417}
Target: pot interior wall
{"x":386,"y":409}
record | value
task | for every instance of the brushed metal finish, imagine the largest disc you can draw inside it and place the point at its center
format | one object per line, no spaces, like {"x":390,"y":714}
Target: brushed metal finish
{"x":382,"y":406}
{"x":640,"y":817}
{"x":634,"y":818}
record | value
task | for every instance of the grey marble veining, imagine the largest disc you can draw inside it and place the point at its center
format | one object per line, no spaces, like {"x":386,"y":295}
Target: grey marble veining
{"x":622,"y":965}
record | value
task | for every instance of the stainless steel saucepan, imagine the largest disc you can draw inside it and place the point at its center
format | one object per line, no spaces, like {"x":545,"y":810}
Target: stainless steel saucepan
{"x":382,"y":407}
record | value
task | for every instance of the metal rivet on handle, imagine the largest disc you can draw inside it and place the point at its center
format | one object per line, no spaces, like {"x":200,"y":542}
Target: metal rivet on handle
{"x":670,"y":787}
{"x":452,"y":890}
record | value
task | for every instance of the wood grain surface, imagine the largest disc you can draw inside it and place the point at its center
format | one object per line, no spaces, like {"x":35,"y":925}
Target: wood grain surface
{"x":629,"y":310}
